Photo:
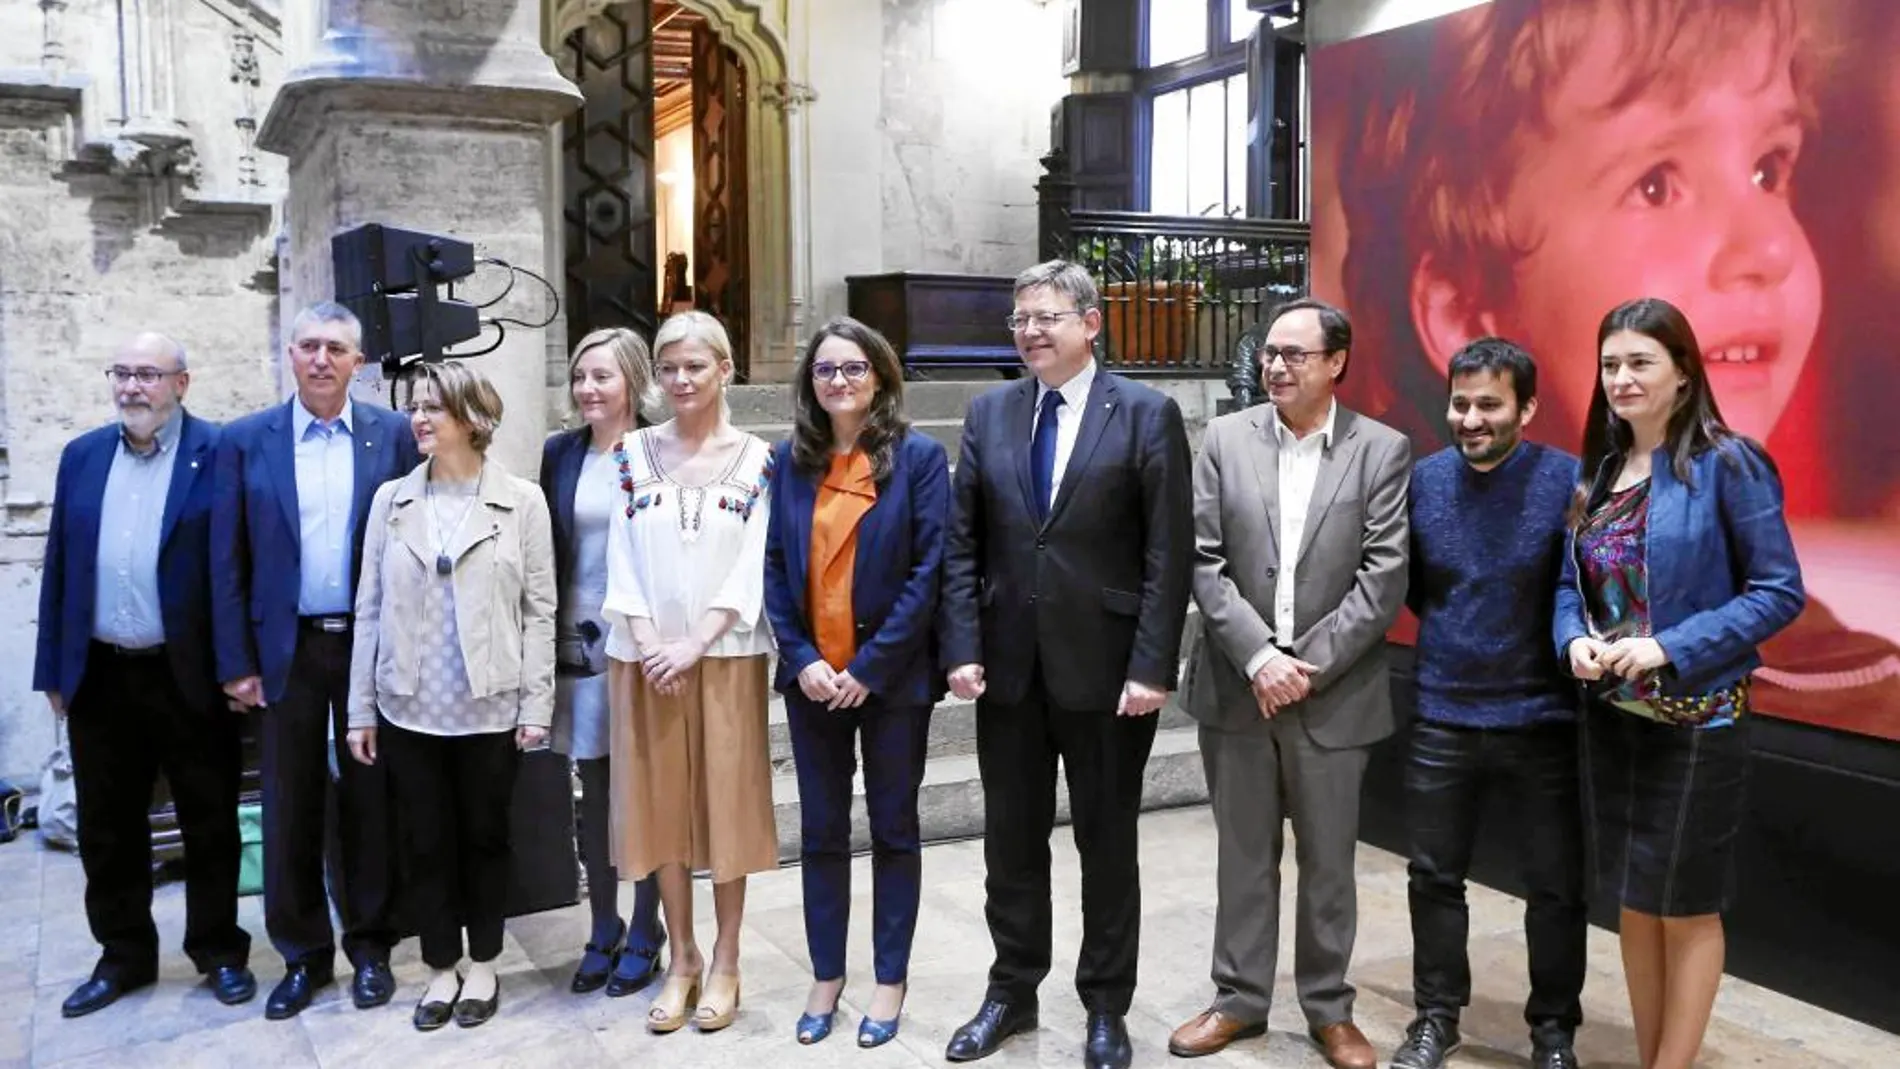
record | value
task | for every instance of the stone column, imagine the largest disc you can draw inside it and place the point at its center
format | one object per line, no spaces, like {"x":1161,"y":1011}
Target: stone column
{"x":431,"y":115}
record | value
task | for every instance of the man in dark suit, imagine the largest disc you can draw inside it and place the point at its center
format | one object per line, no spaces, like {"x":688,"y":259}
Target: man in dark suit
{"x":1300,"y":568}
{"x":124,"y":611}
{"x":1065,"y":589}
{"x":293,"y":490}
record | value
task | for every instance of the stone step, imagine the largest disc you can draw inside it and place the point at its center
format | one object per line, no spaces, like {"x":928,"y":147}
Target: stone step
{"x":949,"y":432}
{"x":952,"y":730}
{"x":950,"y":803}
{"x":771,"y":403}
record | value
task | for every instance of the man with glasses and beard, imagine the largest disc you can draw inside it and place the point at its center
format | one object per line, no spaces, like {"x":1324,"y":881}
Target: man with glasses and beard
{"x":1494,"y":707}
{"x":125,"y":608}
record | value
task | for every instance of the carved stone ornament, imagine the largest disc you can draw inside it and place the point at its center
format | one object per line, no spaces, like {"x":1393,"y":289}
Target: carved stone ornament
{"x":788,"y":95}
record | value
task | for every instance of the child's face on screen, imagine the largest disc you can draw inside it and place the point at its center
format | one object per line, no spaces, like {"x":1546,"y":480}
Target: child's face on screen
{"x":1678,"y":195}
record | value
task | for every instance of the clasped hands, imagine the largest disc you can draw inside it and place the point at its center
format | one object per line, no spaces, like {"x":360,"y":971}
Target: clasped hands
{"x":1281,"y":682}
{"x":1137,"y":699}
{"x":1593,"y":658}
{"x":837,"y":690}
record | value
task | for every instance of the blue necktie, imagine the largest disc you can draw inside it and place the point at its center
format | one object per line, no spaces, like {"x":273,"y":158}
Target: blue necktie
{"x":1042,"y":452}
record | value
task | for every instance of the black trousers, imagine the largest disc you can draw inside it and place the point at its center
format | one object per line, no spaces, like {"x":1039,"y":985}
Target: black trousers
{"x":453,"y":793}
{"x":127,"y":724}
{"x":1102,"y":756}
{"x":296,"y":757}
{"x":825,"y":748}
{"x":1448,"y":771}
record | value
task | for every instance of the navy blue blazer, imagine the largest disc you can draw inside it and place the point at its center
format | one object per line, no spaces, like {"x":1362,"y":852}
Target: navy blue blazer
{"x":894,"y":581}
{"x":257,"y":535}
{"x":561,"y":458}
{"x":68,"y":584}
{"x":1723,"y":577}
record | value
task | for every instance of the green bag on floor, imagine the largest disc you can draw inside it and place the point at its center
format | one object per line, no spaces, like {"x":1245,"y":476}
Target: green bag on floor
{"x":251,"y":853}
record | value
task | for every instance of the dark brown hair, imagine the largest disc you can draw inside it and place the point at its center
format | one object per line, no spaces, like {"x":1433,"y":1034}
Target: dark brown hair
{"x":1695,"y":426}
{"x":883,"y":426}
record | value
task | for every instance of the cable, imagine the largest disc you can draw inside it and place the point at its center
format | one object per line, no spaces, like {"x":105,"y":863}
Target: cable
{"x":497,"y":298}
{"x":501,"y":332}
{"x":554,"y":298}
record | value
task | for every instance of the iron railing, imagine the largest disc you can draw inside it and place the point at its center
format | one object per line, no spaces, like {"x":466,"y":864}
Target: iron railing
{"x":1178,"y":292}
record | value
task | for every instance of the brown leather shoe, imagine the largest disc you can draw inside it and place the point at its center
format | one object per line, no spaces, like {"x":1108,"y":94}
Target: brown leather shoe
{"x":1210,"y":1033}
{"x":1345,"y":1046}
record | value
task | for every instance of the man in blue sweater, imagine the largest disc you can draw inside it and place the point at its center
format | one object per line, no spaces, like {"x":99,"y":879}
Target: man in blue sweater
{"x":1494,"y":709}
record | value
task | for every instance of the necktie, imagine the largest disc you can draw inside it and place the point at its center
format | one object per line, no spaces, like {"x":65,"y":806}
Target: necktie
{"x":1042,"y":452}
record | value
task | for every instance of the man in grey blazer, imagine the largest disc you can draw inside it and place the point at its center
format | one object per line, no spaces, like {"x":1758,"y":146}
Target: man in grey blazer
{"x":1300,"y":537}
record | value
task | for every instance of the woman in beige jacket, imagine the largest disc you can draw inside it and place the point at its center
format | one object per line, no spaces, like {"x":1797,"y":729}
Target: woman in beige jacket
{"x":452,"y":674}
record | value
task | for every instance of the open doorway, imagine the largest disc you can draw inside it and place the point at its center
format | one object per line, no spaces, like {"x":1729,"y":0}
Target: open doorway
{"x":654,"y":173}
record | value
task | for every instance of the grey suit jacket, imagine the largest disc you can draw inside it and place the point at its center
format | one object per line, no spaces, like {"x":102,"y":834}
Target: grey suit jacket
{"x":1351,"y":573}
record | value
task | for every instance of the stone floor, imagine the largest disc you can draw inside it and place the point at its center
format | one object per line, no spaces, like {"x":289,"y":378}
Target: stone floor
{"x":45,"y":950}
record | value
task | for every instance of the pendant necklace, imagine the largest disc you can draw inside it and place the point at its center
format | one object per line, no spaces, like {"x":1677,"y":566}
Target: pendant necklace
{"x":444,"y":564}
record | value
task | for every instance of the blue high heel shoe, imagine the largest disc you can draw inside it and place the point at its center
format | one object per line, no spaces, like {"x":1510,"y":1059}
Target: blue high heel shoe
{"x":877,"y":1033}
{"x":814,"y":1027}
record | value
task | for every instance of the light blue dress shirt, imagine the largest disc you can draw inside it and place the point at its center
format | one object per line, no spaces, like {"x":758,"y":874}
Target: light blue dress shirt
{"x":326,"y":506}
{"x":126,"y":610}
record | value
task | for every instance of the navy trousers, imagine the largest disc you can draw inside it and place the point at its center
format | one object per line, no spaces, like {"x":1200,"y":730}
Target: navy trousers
{"x":824,"y":746}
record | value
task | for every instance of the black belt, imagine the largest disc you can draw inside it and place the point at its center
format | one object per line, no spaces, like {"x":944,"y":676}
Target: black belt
{"x":127,"y":651}
{"x":330,"y":625}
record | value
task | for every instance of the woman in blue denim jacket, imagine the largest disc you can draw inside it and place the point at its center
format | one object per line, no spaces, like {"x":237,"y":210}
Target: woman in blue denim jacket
{"x":1678,"y":566}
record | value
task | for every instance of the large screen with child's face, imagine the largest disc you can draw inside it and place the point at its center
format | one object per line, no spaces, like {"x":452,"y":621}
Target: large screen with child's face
{"x":1522,"y":167}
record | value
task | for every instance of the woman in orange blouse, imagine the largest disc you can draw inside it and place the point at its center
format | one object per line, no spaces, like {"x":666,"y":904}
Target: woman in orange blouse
{"x":859,"y":504}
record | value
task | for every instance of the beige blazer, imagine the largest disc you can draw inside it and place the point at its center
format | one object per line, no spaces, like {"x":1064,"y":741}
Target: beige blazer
{"x":505,"y":595}
{"x":1351,"y":575}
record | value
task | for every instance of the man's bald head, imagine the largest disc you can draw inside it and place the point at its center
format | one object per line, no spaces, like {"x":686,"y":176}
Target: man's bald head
{"x":153,"y":349}
{"x":149,"y":380}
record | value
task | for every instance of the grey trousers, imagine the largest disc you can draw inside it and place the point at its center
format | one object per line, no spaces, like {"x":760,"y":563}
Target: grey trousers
{"x":1259,"y":778}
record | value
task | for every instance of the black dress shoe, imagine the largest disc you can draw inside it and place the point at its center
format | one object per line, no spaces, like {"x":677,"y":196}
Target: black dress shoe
{"x":471,"y":1012}
{"x":374,"y":985}
{"x":1107,"y":1046}
{"x":994,"y":1022}
{"x":293,"y":993}
{"x":1554,"y":1056}
{"x":233,"y":985}
{"x":99,"y":992}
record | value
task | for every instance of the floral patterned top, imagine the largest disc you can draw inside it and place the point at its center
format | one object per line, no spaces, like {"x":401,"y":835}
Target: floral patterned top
{"x":676,"y":551}
{"x":1613,"y":567}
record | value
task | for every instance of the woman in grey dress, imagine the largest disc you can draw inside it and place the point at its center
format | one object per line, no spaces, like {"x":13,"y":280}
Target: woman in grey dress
{"x":609,"y":374}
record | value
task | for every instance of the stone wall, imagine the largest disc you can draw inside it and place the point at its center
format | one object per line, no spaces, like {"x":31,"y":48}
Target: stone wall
{"x":968,"y":90}
{"x":101,"y":236}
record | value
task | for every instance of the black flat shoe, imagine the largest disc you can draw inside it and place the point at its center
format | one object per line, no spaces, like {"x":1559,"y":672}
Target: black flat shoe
{"x":994,"y":1022}
{"x":597,"y":964}
{"x":471,"y":1012}
{"x":374,"y":985}
{"x":293,"y":993}
{"x":98,"y":993}
{"x":433,"y":1015}
{"x":233,"y":985}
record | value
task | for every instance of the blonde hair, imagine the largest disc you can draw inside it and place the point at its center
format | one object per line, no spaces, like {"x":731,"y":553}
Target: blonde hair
{"x":465,"y":394}
{"x":630,"y":355}
{"x":696,"y":326}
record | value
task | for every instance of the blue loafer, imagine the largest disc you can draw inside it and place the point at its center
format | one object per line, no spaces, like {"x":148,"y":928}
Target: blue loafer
{"x":814,"y":1027}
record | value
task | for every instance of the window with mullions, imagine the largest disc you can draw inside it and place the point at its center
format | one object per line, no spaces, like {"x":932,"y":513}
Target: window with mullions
{"x":1195,"y":80}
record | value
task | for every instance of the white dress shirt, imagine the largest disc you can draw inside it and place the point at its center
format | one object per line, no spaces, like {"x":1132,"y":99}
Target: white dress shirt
{"x":1075,"y":399}
{"x":1299,"y":470}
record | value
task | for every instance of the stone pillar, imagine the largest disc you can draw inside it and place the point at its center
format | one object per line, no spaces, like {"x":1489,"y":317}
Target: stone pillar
{"x":432,"y":115}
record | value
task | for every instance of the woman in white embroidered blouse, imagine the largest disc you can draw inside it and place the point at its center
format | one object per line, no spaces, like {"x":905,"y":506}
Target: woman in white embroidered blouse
{"x":688,"y":651}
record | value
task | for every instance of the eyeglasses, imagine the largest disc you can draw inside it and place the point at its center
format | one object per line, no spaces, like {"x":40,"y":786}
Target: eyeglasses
{"x":146,"y":376}
{"x":1291,"y":355}
{"x":1039,"y":320}
{"x":427,"y":408}
{"x":854,"y":370}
